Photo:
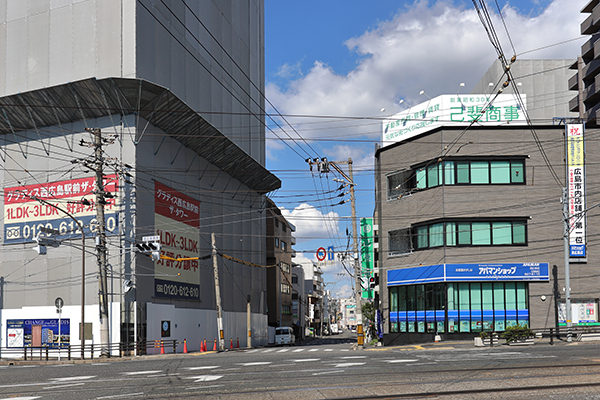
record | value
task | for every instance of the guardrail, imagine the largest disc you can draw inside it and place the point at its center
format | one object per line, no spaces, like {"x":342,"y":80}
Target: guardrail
{"x":73,"y":352}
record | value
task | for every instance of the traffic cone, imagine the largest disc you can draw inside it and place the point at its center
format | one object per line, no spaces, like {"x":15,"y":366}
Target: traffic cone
{"x":205,"y":349}
{"x":162,"y":348}
{"x":238,"y":343}
{"x":184,"y":346}
{"x":201,"y":346}
{"x":231,"y":344}
{"x":215,"y":346}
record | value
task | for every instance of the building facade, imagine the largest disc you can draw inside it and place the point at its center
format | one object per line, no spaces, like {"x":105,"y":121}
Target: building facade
{"x":279,"y":272}
{"x":471,"y":227}
{"x":176,"y":90}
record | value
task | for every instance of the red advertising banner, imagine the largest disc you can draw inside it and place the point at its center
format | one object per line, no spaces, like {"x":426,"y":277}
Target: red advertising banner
{"x":175,"y":205}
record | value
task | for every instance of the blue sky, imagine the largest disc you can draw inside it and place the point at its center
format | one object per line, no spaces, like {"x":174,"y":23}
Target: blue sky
{"x":330,"y":62}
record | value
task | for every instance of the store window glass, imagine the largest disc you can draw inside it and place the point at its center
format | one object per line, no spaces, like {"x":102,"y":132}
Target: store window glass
{"x":464,"y":233}
{"x":518,"y":232}
{"x":450,"y":234}
{"x":421,"y":178}
{"x":449,"y":172}
{"x":487,"y":306}
{"x":480,"y":172}
{"x":464,"y":307}
{"x":402,"y":308}
{"x":452,"y":307}
{"x":476,"y":310}
{"x":422,"y":237}
{"x":499,"y":307}
{"x":481,"y":233}
{"x":433,"y":175}
{"x":394,"y":309}
{"x":501,"y":233}
{"x":462,"y":172}
{"x":517,"y":172}
{"x":500,"y":172}
{"x":522,"y":308}
{"x":510,"y":294}
{"x":436,"y":235}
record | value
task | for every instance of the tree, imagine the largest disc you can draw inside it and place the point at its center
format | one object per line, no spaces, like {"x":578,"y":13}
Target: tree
{"x":368,"y":312}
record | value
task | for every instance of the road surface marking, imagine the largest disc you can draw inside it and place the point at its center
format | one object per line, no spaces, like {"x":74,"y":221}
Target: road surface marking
{"x":205,"y":378}
{"x":254,"y":363}
{"x":204,"y":367}
{"x":21,"y":398}
{"x":63,"y":386}
{"x":337,"y":371}
{"x":119,"y":395}
{"x":297,"y":350}
{"x":348,"y":364}
{"x":399,"y":361}
{"x":283,"y":350}
{"x":314,"y":350}
{"x":268,"y":350}
{"x":305,"y":360}
{"x":204,"y":387}
{"x":328,"y":350}
{"x":345,"y":350}
{"x":142,"y":372}
{"x":349,"y":357}
{"x":73,"y":378}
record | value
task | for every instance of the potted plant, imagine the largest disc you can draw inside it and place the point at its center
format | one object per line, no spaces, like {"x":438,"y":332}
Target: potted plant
{"x":485,"y":337}
{"x":519,"y":334}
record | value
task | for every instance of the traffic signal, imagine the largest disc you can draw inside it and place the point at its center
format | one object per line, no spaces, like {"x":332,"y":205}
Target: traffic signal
{"x":43,"y":242}
{"x":150,"y":248}
{"x":373,"y":282}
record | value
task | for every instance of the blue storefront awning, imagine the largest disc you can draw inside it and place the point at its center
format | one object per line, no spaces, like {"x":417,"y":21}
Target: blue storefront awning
{"x":468,"y":273}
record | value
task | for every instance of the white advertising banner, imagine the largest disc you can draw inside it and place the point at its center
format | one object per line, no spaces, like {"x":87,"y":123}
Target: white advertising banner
{"x":453,"y":110}
{"x":576,"y":191}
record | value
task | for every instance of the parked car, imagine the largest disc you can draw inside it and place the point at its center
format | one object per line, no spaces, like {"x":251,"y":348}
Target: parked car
{"x":284,"y":335}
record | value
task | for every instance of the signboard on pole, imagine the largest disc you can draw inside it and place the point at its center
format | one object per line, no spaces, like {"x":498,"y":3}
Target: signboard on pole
{"x":576,"y":192}
{"x":366,"y":254}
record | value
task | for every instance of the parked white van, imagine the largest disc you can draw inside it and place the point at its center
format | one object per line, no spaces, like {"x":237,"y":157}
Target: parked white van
{"x":284,"y":335}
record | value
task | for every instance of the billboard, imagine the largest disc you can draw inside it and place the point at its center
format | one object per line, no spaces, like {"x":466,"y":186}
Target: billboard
{"x":468,"y":273}
{"x":38,"y":333}
{"x":453,"y":110}
{"x":576,"y":191}
{"x":177,"y":223}
{"x":24,"y":216}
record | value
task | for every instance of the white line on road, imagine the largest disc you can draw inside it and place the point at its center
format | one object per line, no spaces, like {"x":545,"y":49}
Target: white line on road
{"x":349,"y":357}
{"x":269,"y":350}
{"x":337,"y":371}
{"x":204,"y":387}
{"x":63,"y":386}
{"x":399,"y":361}
{"x":73,"y":378}
{"x":250,"y":364}
{"x":205,"y":378}
{"x":305,"y":359}
{"x":252,"y":351}
{"x":314,"y":350}
{"x":142,"y":372}
{"x":328,"y":350}
{"x":297,"y":350}
{"x":204,"y":367}
{"x":345,"y":350}
{"x":348,"y":364}
{"x":283,"y":350}
{"x":119,"y":395}
{"x":22,"y":398}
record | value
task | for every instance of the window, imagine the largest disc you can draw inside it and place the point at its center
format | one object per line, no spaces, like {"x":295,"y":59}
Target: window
{"x":276,"y":243}
{"x":285,"y":267}
{"x":464,"y":172}
{"x":470,"y":233}
{"x":285,"y":288}
{"x":399,"y":241}
{"x":286,"y":310}
{"x":283,"y":246}
{"x":276,"y":223}
{"x":295,"y":279}
{"x":283,"y":227}
{"x":294,"y":296}
{"x":399,"y":183}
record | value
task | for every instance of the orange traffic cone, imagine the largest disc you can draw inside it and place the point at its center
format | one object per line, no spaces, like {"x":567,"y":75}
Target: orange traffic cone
{"x":238,"y":343}
{"x":184,"y":346}
{"x":162,"y":348}
{"x":231,"y":343}
{"x":215,"y":346}
{"x":205,"y":349}
{"x":202,"y":346}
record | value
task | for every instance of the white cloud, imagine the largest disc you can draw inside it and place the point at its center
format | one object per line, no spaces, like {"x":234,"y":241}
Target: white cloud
{"x":424,"y":47}
{"x":344,"y":292}
{"x":311,"y":223}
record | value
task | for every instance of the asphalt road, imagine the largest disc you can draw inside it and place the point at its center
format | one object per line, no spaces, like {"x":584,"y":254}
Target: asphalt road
{"x":323,"y":368}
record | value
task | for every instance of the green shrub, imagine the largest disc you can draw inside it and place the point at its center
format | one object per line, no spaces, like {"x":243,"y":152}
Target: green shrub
{"x":517,"y":332}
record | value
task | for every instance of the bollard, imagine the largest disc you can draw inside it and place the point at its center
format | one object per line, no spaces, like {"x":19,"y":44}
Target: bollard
{"x":175,"y":346}
{"x":69,"y":352}
{"x":47,"y":353}
{"x":551,"y":337}
{"x":25,"y":353}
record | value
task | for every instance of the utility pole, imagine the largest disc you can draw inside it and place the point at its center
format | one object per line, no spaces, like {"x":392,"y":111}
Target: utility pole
{"x":249,"y":322}
{"x":101,"y":243}
{"x":218,"y":294}
{"x":323,"y":166}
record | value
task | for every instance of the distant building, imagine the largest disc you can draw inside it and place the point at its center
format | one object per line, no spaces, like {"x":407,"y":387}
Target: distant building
{"x":587,"y":101}
{"x":348,"y":312}
{"x":279,"y":273}
{"x":299,"y":300}
{"x":314,"y":290}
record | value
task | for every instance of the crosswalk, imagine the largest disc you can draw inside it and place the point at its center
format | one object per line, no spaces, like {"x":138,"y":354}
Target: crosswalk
{"x":292,"y":350}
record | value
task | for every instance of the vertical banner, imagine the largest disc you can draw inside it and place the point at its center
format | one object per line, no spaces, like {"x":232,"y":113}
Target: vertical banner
{"x":177,"y":223}
{"x":366,"y":253}
{"x":576,"y":191}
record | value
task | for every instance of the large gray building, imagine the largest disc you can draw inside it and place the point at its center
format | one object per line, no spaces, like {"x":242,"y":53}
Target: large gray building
{"x":469,"y":214}
{"x":177,"y":87}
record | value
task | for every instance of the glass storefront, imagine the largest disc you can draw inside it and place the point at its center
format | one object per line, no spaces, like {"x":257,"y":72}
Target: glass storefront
{"x":458,"y":307}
